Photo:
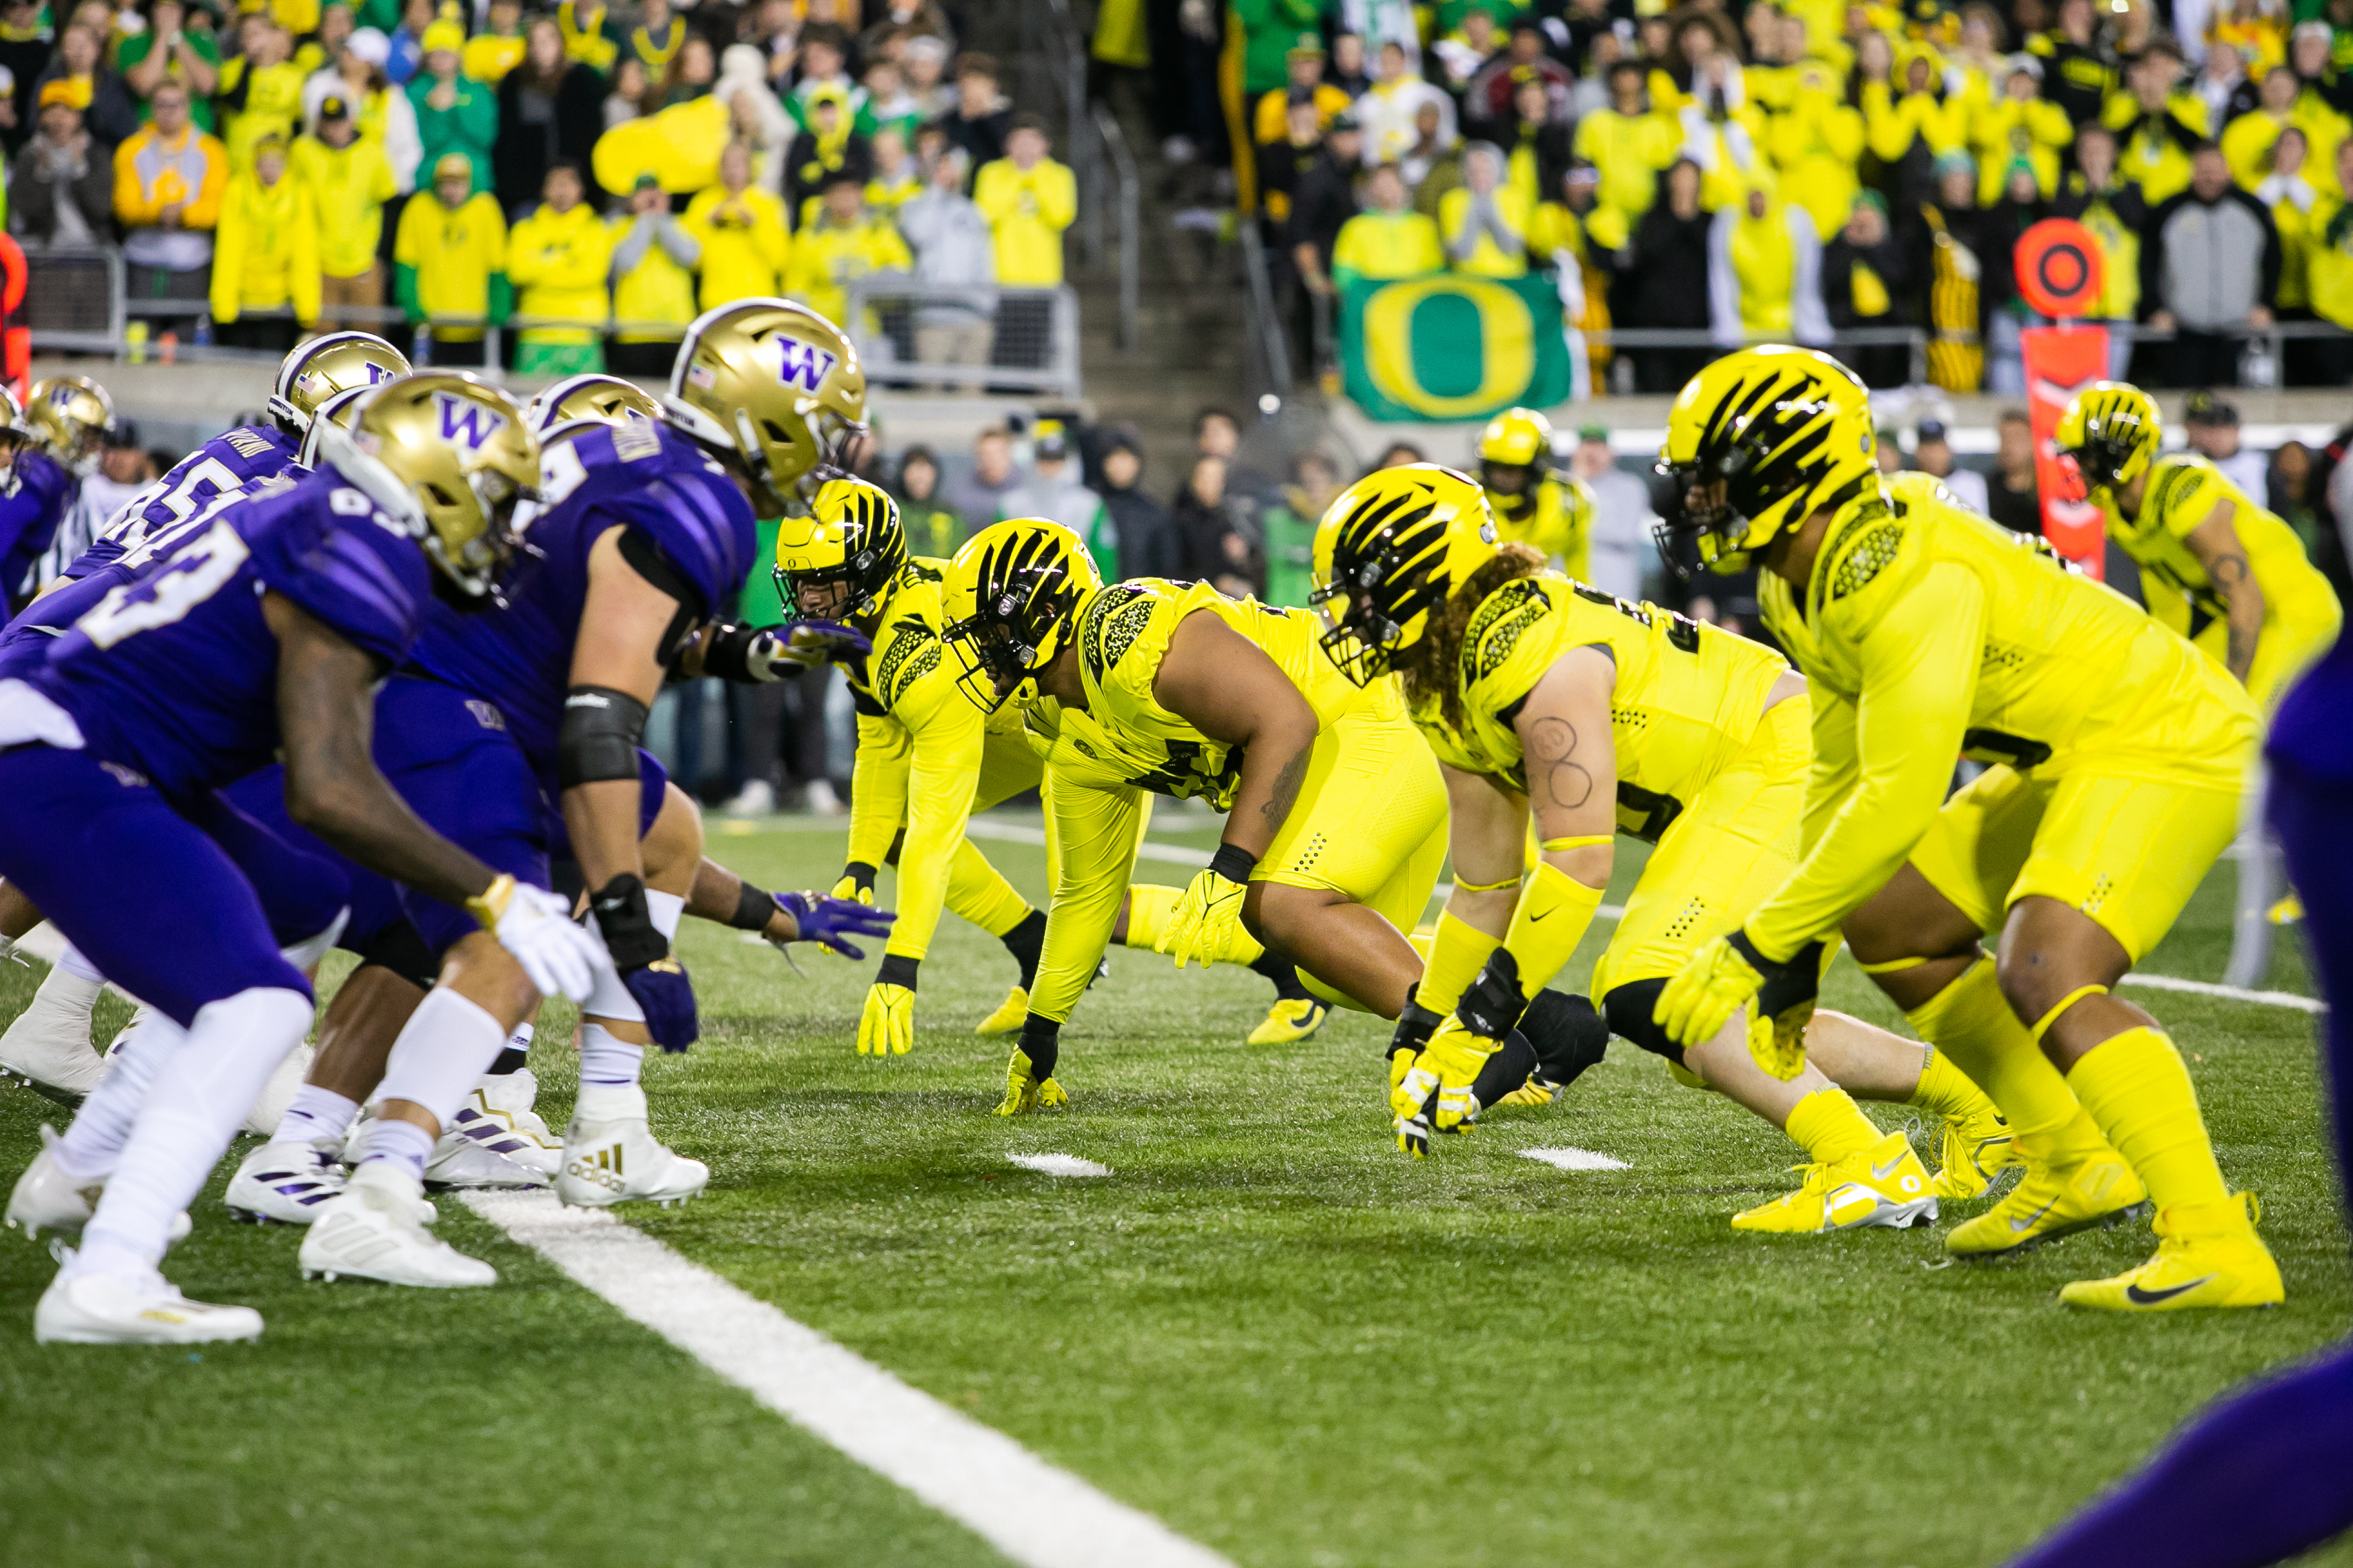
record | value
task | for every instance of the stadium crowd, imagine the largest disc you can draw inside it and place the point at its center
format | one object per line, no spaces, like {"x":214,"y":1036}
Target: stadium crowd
{"x":1791,"y":171}
{"x":589,"y":163}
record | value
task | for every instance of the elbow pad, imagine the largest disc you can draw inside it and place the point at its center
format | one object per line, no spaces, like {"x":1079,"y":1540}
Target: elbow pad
{"x":599,"y":738}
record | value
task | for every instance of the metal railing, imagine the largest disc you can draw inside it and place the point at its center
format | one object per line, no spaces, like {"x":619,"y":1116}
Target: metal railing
{"x":1033,"y":342}
{"x":1267,"y":335}
{"x":1110,"y":186}
{"x":1130,"y":188}
{"x":74,"y":298}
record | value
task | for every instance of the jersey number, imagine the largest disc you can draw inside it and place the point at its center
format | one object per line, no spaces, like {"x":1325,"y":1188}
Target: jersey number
{"x":1682,"y":630}
{"x":200,"y":570}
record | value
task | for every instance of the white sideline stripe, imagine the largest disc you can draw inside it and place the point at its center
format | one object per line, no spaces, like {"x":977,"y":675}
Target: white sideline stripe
{"x":1059,"y":1165}
{"x":1034,"y":1512}
{"x":1575,"y":1159}
{"x":2229,"y":992}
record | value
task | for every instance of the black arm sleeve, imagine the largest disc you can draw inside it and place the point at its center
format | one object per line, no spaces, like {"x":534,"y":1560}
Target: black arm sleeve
{"x":598,"y":741}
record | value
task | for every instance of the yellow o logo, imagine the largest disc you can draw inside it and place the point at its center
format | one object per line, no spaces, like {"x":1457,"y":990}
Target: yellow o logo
{"x":1431,"y":323}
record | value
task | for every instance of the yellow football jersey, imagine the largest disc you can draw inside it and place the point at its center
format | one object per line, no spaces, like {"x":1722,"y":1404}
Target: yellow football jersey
{"x":1124,"y":738}
{"x":1687,"y":696}
{"x":1925,"y":631}
{"x":1558,"y":521}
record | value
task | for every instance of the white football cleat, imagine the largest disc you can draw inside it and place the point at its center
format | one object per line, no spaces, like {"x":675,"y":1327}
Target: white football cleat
{"x":45,"y":1198}
{"x":620,"y":1161}
{"x":269,"y":1107}
{"x":108,"y":1310}
{"x":374,"y":1231}
{"x":286,"y":1183}
{"x":499,"y":1117}
{"x":48,"y":1046}
{"x":457,"y":1161}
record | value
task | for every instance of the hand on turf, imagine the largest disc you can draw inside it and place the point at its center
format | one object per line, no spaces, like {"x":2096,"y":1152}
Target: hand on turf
{"x":1207,"y":915}
{"x":831,"y":921}
{"x":536,"y":926}
{"x":887,"y":1026}
{"x":857,"y":884}
{"x":1717,"y":982}
{"x":664,"y":993}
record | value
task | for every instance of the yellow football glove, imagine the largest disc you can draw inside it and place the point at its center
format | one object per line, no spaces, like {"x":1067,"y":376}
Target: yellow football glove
{"x":1729,"y":977}
{"x":1716,"y":982}
{"x":857,"y":882}
{"x":1210,"y":910}
{"x":887,"y":1026}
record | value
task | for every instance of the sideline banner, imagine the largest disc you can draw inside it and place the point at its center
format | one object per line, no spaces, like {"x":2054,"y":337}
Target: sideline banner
{"x":1447,"y":346}
{"x":2060,"y":362}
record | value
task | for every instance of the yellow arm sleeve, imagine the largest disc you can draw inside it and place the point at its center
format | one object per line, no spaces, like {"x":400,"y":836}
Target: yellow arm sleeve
{"x":940,"y":779}
{"x":1835,"y":768}
{"x":1092,"y":837}
{"x":877,"y":787}
{"x":1919,"y":664}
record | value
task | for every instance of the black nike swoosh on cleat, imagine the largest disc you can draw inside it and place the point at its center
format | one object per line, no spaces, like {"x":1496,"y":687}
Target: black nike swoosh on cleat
{"x":2140,"y":1297}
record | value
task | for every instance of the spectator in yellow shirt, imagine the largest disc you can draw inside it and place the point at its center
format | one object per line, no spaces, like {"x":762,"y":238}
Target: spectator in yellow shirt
{"x":1303,"y":83}
{"x":350,"y":180}
{"x":1628,"y":144}
{"x":740,"y":228}
{"x":558,"y":258}
{"x":265,"y":253}
{"x":2247,"y":140}
{"x":498,"y":48}
{"x":168,"y":180}
{"x":898,"y":178}
{"x":261,"y":90}
{"x":1483,"y":221}
{"x":845,"y":243}
{"x":1391,"y":240}
{"x":2157,"y":128}
{"x":653,"y":266}
{"x":449,"y":259}
{"x":1029,"y":200}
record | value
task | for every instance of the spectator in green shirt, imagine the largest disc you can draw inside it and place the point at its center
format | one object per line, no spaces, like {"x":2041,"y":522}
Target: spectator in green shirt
{"x":933,"y":526}
{"x":455,"y":114}
{"x":1291,"y":529}
{"x":170,"y":50}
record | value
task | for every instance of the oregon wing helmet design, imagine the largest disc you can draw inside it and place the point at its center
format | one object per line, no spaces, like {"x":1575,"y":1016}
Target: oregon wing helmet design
{"x":326,"y":366}
{"x":1388,"y":551}
{"x":69,"y":415}
{"x":1010,"y":600}
{"x":448,"y":455}
{"x":2109,"y":435}
{"x":775,"y":385}
{"x":1755,"y":442}
{"x":608,"y":399}
{"x":851,"y":539}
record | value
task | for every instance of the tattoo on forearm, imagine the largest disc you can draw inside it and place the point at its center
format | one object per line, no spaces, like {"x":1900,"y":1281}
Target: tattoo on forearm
{"x":1551,"y":753}
{"x":1279,"y":801}
{"x":2234,"y":579}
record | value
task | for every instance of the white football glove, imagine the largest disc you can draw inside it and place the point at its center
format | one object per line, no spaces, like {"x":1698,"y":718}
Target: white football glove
{"x":536,"y":926}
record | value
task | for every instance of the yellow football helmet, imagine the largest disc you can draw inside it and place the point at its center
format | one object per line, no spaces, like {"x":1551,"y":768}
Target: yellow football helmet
{"x":1011,"y":602}
{"x":325,"y":366}
{"x":1756,"y":442}
{"x":608,"y":399}
{"x":1388,"y":551}
{"x":69,"y":415}
{"x":449,"y":457}
{"x":852,"y":539}
{"x":774,"y":385}
{"x":1518,"y":437}
{"x":2109,"y":435}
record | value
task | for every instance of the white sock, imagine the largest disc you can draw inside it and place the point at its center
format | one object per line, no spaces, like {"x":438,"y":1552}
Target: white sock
{"x":666,"y":910}
{"x":314,"y":1114}
{"x":192,"y":1110}
{"x":446,"y":1045}
{"x":608,"y":1076}
{"x":71,"y":961}
{"x":402,"y":1145}
{"x":91,"y":1146}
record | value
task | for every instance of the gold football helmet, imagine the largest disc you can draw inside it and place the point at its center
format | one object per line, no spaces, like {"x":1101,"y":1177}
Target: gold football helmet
{"x":449,"y":457}
{"x":852,"y":540}
{"x":774,"y":385}
{"x":69,"y":415}
{"x":335,"y":413}
{"x":594,"y":395}
{"x":2109,"y":435}
{"x":1010,"y":603}
{"x":1390,"y":550}
{"x":319,"y":369}
{"x":1756,"y":442}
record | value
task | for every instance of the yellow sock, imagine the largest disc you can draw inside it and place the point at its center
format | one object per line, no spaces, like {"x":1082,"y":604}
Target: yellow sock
{"x":978,"y":892}
{"x":1149,"y":905}
{"x":1946,"y":1090}
{"x":1828,"y":1125}
{"x":1971,"y":1021}
{"x":2137,"y":1091}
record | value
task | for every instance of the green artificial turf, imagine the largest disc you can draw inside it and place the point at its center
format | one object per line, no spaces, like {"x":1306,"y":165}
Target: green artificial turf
{"x":1265,"y":1327}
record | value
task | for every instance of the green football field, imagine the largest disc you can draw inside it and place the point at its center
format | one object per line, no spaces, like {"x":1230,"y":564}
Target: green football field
{"x":1265,"y":1327}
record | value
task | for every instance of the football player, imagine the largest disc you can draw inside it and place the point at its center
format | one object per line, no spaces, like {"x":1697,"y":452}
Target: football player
{"x":1532,"y":502}
{"x":57,"y":440}
{"x":1546,"y":698}
{"x":2118,"y":755}
{"x":2216,"y":567}
{"x":265,"y":630}
{"x":1335,"y":819}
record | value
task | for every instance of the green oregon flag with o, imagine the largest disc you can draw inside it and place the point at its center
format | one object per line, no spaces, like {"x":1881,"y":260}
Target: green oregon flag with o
{"x":1447,"y":346}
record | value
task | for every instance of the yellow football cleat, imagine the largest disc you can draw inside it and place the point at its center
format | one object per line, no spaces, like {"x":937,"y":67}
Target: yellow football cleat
{"x":1537,"y":1090}
{"x":1884,"y":1184}
{"x":1288,"y":1022}
{"x":1026,"y":1092}
{"x":2049,"y":1203}
{"x":1976,"y":1150}
{"x":2206,"y":1257}
{"x":1009,"y":1016}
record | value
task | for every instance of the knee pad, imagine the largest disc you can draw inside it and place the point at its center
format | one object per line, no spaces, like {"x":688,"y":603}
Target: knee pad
{"x":1628,"y":1008}
{"x":1567,"y":1033}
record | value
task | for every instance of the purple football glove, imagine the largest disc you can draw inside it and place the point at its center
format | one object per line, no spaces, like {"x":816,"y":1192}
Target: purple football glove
{"x":649,"y":969}
{"x":667,"y":998}
{"x":830,"y":920}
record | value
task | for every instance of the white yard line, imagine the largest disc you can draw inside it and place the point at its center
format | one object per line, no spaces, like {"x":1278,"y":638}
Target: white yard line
{"x":2229,"y":992}
{"x":1036,"y":1513}
{"x":1059,"y":1165}
{"x":1575,"y":1159}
